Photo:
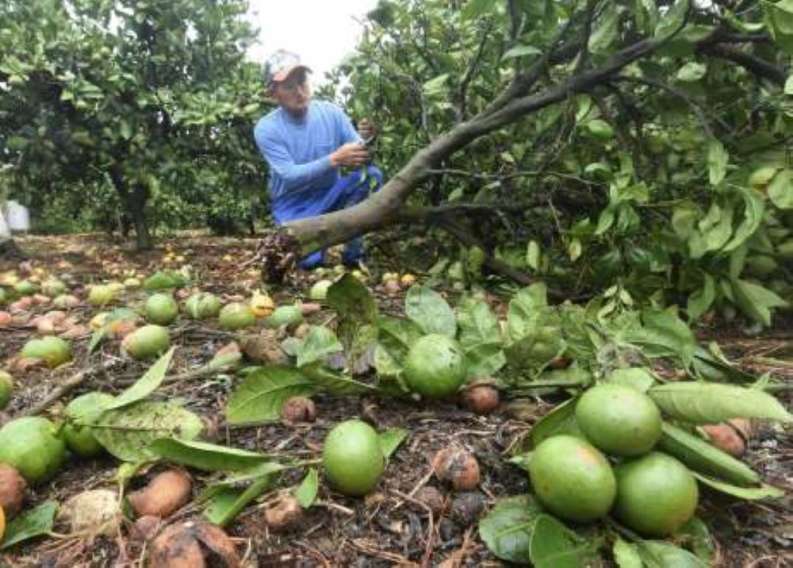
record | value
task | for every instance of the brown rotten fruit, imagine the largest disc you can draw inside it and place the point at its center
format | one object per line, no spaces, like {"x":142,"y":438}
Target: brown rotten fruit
{"x":284,"y":515}
{"x":165,"y":493}
{"x":458,"y":467}
{"x":298,"y":409}
{"x":12,"y":490}
{"x":481,"y":399}
{"x":193,"y":544}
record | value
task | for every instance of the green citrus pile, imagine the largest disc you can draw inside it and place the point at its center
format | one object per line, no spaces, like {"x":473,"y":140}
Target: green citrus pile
{"x":649,"y":491}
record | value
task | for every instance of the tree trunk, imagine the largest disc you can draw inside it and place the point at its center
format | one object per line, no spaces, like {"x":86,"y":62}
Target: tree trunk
{"x":134,"y":204}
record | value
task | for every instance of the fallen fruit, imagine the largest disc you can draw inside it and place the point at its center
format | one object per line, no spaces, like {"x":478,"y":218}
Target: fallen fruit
{"x":407,"y":280}
{"x":166,"y":493}
{"x":202,"y":305}
{"x":432,"y":498}
{"x":236,"y":316}
{"x":481,"y":399}
{"x":25,"y":288}
{"x":53,"y":287}
{"x":31,"y":446}
{"x":131,"y":283}
{"x":263,"y":347}
{"x":146,"y":528}
{"x":54,"y":351}
{"x":100,"y":295}
{"x":656,"y":494}
{"x":284,"y":515}
{"x":5,"y":319}
{"x":66,"y":301}
{"x":12,"y":490}
{"x":92,"y":513}
{"x":180,"y":546}
{"x":161,"y":309}
{"x":261,"y":305}
{"x":392,"y":287}
{"x":618,"y":419}
{"x":6,"y":388}
{"x":298,"y":409}
{"x":80,"y":414}
{"x":458,"y":467}
{"x":285,"y":316}
{"x":572,"y":478}
{"x":99,"y":320}
{"x":724,"y":436}
{"x":352,"y":457}
{"x":146,"y":342}
{"x":319,"y":291}
{"x":435,"y":366}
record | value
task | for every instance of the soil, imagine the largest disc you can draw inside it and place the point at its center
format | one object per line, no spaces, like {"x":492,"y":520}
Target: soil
{"x":392,"y":526}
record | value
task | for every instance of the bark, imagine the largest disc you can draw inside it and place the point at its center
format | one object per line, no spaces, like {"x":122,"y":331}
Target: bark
{"x":134,"y":200}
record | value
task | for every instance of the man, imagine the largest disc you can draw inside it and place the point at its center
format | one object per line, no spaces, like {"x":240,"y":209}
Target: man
{"x":305,"y":142}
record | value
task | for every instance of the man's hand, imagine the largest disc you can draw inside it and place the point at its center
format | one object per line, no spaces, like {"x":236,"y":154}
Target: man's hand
{"x":366,"y":129}
{"x":351,"y":154}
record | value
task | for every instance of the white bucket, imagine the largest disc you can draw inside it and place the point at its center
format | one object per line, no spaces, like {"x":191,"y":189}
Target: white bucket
{"x":17,"y":216}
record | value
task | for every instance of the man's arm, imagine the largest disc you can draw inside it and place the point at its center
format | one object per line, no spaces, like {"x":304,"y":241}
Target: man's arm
{"x":294,"y":175}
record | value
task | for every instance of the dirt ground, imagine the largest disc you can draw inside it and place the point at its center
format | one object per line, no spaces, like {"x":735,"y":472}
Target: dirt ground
{"x":390,"y":527}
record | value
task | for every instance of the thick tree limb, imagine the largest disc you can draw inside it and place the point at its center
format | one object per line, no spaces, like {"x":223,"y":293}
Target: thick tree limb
{"x":751,"y":63}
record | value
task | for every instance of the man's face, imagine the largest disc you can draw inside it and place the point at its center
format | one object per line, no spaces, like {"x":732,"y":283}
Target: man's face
{"x":293,"y":93}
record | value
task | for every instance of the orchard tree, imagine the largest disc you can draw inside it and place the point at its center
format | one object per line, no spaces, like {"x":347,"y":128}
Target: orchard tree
{"x":152,"y":97}
{"x":636,"y":146}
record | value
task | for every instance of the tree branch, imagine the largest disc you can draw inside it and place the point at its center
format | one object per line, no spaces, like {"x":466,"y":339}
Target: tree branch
{"x":469,"y":74}
{"x":751,"y":63}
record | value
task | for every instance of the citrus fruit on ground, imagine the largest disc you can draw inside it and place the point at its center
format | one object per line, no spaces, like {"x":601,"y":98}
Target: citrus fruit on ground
{"x":161,"y":309}
{"x":146,"y":342}
{"x":100,"y":295}
{"x":53,"y":288}
{"x":202,"y":305}
{"x":618,"y":419}
{"x":319,"y":291}
{"x":572,"y":479}
{"x":80,"y":413}
{"x":352,"y":457}
{"x":435,"y":366}
{"x":31,"y":446}
{"x":25,"y":288}
{"x":53,"y":350}
{"x":656,"y":494}
{"x":6,"y":387}
{"x":285,"y":315}
{"x":236,"y":316}
{"x":261,"y":305}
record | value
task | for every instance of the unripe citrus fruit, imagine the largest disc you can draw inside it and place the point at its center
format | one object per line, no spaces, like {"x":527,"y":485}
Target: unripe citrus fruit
{"x":6,"y":387}
{"x":618,"y":419}
{"x":53,"y":350}
{"x":53,"y":287}
{"x":319,"y":291}
{"x":25,"y":288}
{"x":31,"y":446}
{"x":236,"y":316}
{"x":435,"y":366}
{"x":352,"y":457}
{"x":146,"y":342}
{"x":80,"y":413}
{"x":572,"y":479}
{"x":202,"y":305}
{"x":285,"y":315}
{"x":161,"y":309}
{"x":656,"y":494}
{"x":100,"y":295}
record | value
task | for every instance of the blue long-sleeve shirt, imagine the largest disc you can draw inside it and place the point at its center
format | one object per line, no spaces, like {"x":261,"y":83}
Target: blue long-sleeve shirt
{"x":298,"y":150}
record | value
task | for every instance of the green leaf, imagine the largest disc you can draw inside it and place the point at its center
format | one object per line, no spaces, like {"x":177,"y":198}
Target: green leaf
{"x":525,"y":308}
{"x":355,"y":308}
{"x":746,"y":493}
{"x":146,"y":385}
{"x":127,"y":433}
{"x":659,"y":554}
{"x":700,"y":456}
{"x":480,"y":337}
{"x":533,"y":255}
{"x":560,"y":420}
{"x":225,"y":503}
{"x":752,"y":218}
{"x":663,"y":334}
{"x":474,"y":9}
{"x":711,"y":403}
{"x":755,"y":300}
{"x":626,"y":554}
{"x":696,"y":535}
{"x":638,"y":378}
{"x":553,"y":545}
{"x":30,"y":524}
{"x":690,"y":72}
{"x":717,"y":157}
{"x":391,"y":439}
{"x":205,"y":456}
{"x":789,"y":85}
{"x":605,"y":30}
{"x":507,"y":529}
{"x":306,"y":493}
{"x":320,"y":343}
{"x":430,"y":311}
{"x":260,"y":396}
{"x":521,"y":51}
{"x":700,"y":301}
{"x":780,"y":190}
{"x":435,"y":87}
{"x":672,"y":20}
{"x":333,"y":381}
